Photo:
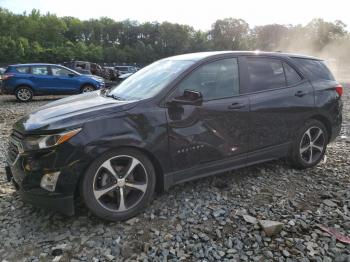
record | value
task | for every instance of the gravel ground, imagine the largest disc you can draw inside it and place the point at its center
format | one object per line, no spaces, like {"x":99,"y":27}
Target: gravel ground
{"x":201,"y":220}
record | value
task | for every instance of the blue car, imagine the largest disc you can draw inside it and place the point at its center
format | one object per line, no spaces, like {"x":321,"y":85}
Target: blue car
{"x":28,"y":80}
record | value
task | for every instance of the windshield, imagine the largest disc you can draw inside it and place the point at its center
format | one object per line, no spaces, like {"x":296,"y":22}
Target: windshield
{"x":150,"y":80}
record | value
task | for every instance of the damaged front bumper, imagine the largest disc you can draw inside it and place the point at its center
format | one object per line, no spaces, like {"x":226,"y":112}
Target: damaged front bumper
{"x":27,"y":172}
{"x":41,"y":197}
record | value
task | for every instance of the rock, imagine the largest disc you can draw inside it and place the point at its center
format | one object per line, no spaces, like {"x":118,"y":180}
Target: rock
{"x":56,"y":259}
{"x":219,"y":212}
{"x":109,"y":257}
{"x":285,"y":253}
{"x":250,"y":219}
{"x":218,"y":233}
{"x":270,"y":227}
{"x":346,"y":225}
{"x":178,"y":228}
{"x":132,"y":221}
{"x":268,"y":254}
{"x":291,"y":223}
{"x":329,"y":203}
{"x":342,"y":258}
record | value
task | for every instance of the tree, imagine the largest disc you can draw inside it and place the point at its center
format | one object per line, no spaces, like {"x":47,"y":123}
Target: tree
{"x":36,"y":37}
{"x":230,"y":34}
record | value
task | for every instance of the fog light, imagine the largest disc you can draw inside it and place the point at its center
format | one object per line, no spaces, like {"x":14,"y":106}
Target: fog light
{"x":49,"y":181}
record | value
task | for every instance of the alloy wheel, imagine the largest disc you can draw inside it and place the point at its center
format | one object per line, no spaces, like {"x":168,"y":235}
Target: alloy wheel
{"x":24,"y":94}
{"x":312,"y":145}
{"x":120,"y":183}
{"x":87,"y":89}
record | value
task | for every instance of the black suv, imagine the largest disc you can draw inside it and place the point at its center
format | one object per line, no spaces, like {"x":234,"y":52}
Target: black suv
{"x":178,"y":119}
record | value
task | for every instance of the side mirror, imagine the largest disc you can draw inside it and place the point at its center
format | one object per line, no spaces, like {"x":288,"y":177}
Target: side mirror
{"x":189,"y":97}
{"x":71,"y":75}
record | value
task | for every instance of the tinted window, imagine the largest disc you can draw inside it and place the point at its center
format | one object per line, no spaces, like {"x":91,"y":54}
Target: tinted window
{"x":59,"y":71}
{"x":314,"y":69}
{"x":214,"y":80}
{"x":265,"y":73}
{"x":23,"y":69}
{"x":291,"y":75}
{"x":40,"y":70}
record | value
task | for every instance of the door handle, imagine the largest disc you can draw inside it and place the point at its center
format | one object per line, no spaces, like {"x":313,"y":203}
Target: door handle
{"x":300,"y":93}
{"x":236,"y":106}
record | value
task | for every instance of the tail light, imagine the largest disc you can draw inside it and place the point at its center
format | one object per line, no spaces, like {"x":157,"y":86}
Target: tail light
{"x":339,"y":90}
{"x":7,"y":76}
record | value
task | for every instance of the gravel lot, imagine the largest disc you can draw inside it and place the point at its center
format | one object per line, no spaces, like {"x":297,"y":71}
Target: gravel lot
{"x":200,"y":220}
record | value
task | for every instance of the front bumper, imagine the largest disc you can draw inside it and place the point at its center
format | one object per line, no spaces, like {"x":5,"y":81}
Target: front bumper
{"x":40,"y":197}
{"x":27,"y":171}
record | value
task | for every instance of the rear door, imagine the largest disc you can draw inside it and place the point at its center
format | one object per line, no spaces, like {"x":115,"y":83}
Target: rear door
{"x":42,"y":80}
{"x":65,"y":81}
{"x":280,"y":101}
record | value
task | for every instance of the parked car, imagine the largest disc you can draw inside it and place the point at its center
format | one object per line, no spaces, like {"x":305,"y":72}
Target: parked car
{"x":110,"y":73}
{"x":122,"y":77}
{"x":28,"y":80}
{"x":126,"y":69}
{"x":2,"y":71}
{"x":84,"y":67}
{"x":178,"y":119}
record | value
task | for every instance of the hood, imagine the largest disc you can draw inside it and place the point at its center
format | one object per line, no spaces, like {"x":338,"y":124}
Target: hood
{"x":94,"y":77}
{"x":71,"y":112}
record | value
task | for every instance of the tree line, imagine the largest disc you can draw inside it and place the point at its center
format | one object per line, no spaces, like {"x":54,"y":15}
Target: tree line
{"x":36,"y":37}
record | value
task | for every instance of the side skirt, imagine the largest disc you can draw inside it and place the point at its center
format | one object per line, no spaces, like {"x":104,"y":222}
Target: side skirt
{"x":226,"y":165}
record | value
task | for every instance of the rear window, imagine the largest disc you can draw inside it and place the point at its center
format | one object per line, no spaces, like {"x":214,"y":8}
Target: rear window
{"x":314,"y":69}
{"x":265,"y":73}
{"x":22,"y":69}
{"x":292,"y":76}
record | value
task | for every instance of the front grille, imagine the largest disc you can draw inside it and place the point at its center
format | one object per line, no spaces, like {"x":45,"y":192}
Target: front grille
{"x":17,"y":135}
{"x":14,"y":145}
{"x":12,"y":152}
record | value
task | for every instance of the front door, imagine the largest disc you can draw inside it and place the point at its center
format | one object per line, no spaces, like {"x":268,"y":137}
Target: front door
{"x":65,"y":81}
{"x":216,"y":130}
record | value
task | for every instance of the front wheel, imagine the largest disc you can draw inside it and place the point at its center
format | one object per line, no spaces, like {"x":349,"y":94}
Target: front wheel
{"x":87,"y":88}
{"x":310,"y":145}
{"x":119,"y":184}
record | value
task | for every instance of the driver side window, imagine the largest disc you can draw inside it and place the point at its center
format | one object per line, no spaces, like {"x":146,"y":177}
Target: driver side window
{"x":215,"y":80}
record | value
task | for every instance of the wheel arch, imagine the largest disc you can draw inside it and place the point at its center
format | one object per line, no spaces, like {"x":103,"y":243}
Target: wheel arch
{"x":87,"y":84}
{"x":24,"y":84}
{"x":327,"y":123}
{"x":156,"y":164}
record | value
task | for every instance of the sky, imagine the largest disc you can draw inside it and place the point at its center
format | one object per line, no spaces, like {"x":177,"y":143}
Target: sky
{"x":200,"y":14}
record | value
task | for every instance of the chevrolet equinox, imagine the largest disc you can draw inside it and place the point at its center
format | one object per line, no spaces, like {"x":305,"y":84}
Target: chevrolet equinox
{"x":180,"y":118}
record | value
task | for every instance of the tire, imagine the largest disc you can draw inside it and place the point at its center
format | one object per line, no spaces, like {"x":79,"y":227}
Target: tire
{"x":24,"y":93}
{"x":87,"y":88}
{"x":309,"y":146}
{"x":107,"y":182}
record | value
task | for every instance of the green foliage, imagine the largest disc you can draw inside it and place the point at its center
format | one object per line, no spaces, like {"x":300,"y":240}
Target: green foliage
{"x":36,"y":37}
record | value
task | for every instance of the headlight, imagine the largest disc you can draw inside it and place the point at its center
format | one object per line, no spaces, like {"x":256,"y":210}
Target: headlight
{"x":46,"y":141}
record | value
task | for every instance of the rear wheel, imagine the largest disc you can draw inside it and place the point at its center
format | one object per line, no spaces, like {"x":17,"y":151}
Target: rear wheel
{"x":87,"y":88}
{"x":119,"y":184}
{"x":310,"y":145}
{"x":24,"y":93}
